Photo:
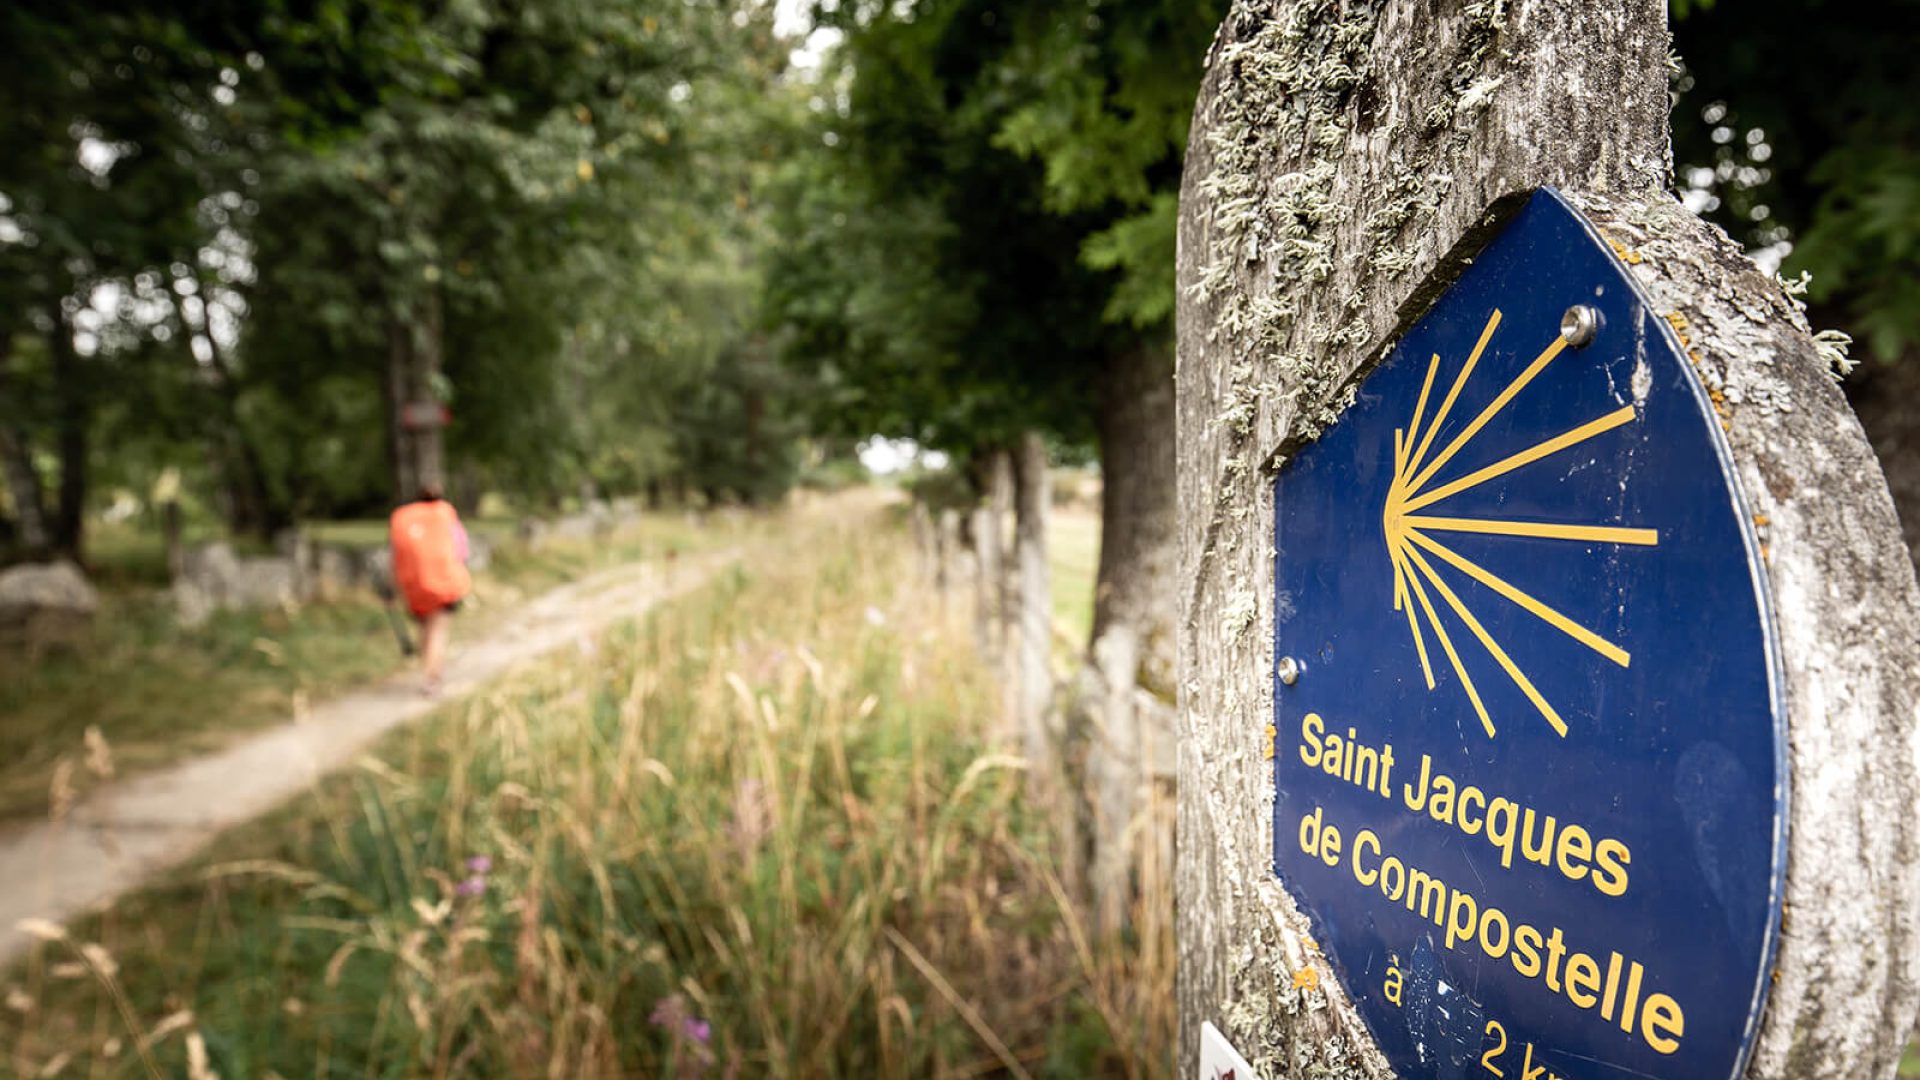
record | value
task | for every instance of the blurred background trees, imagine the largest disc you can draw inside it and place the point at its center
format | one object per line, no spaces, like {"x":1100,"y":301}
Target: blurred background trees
{"x":265,"y":246}
{"x":636,"y":247}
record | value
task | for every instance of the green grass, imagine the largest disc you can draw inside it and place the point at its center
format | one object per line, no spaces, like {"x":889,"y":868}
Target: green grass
{"x":762,"y":808}
{"x":159,"y":692}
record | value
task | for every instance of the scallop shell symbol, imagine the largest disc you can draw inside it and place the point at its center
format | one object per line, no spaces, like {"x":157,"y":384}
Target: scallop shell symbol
{"x":1408,"y":525}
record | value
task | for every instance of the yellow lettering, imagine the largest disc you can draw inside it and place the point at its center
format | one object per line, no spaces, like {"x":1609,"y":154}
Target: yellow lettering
{"x":1441,"y":806}
{"x":1503,"y":817}
{"x":1366,"y":767}
{"x":1662,"y":1024}
{"x":1471,"y":796}
{"x":1576,"y":847}
{"x":1310,"y":828}
{"x":1610,"y":870}
{"x":1426,"y":895}
{"x":1362,"y":841}
{"x":1489,"y":917}
{"x":1460,"y":927}
{"x":1526,"y":951}
{"x":1310,"y":728}
{"x":1583,"y":978}
{"x":1330,"y":847}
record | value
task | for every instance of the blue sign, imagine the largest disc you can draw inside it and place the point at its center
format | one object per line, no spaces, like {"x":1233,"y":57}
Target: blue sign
{"x":1529,"y":726}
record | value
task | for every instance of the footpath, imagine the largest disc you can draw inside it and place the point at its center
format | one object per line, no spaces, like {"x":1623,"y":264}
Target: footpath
{"x":125,"y":833}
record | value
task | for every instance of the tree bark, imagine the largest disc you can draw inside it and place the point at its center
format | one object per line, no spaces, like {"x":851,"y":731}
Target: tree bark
{"x":1135,"y":584}
{"x":1116,"y":775}
{"x":414,"y":355}
{"x":73,"y":420}
{"x":1132,"y":644}
{"x":1004,"y":586}
{"x":1035,"y":607}
{"x":1344,"y":159}
{"x":251,"y":507}
{"x":985,"y":533}
{"x":23,"y":481}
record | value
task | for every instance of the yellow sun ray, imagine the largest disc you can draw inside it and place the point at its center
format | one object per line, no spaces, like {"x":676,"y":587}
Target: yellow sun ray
{"x":1623,"y":415}
{"x":1545,"y":530}
{"x":1460,"y":381}
{"x":1419,"y":410}
{"x":1405,"y":531}
{"x":1500,"y":655}
{"x":1413,"y":622}
{"x":1553,"y":618}
{"x":1513,"y":389}
{"x":1446,"y":643}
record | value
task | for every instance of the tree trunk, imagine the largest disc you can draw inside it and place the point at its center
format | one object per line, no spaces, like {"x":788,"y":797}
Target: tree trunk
{"x":1135,"y":585}
{"x":252,"y":508}
{"x":73,"y":420}
{"x":1005,"y":590}
{"x":985,"y":529}
{"x":1115,"y":774}
{"x":1041,"y":740}
{"x":1342,"y":158}
{"x":415,"y":441}
{"x":1035,"y":607}
{"x":23,"y":481}
{"x":1134,"y":608}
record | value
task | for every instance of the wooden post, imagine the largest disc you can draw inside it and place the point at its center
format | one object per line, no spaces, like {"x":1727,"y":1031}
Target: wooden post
{"x":985,"y":529}
{"x":1116,"y":773}
{"x":1345,"y":163}
{"x":1006,"y":592}
{"x":1035,"y":642}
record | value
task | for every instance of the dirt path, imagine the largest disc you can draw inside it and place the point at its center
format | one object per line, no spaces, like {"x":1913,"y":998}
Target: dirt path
{"x":125,"y":833}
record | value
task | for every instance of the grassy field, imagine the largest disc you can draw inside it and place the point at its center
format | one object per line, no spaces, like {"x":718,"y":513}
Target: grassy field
{"x":158,"y":692}
{"x":759,"y":833}
{"x":1073,"y":552}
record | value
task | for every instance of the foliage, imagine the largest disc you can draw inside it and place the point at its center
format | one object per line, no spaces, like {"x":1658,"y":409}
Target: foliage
{"x":233,"y":211}
{"x":1796,"y":122}
{"x":1002,"y":183}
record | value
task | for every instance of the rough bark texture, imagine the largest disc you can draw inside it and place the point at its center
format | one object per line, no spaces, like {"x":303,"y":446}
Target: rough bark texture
{"x":1135,"y":583}
{"x":1034,"y":642}
{"x":1344,"y":157}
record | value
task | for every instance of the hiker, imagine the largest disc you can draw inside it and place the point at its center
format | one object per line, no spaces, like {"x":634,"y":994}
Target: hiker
{"x":430,"y":569}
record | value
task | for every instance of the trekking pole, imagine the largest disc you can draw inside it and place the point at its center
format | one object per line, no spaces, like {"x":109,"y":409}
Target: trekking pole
{"x":385,"y":589}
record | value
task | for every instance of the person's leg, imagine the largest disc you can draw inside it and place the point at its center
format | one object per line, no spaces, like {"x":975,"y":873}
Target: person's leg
{"x":434,"y":630}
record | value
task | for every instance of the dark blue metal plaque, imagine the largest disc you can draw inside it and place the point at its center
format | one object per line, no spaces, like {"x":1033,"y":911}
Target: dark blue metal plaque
{"x":1530,"y":731}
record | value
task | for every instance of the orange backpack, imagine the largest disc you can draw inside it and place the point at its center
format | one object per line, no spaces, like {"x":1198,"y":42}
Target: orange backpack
{"x":427,"y":565}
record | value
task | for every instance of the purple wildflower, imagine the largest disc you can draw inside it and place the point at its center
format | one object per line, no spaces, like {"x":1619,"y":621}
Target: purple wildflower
{"x":472,"y":886}
{"x":479,"y":864}
{"x":697,"y":1030}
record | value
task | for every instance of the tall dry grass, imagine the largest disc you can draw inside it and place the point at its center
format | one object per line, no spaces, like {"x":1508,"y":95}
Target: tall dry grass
{"x":761,"y":833}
